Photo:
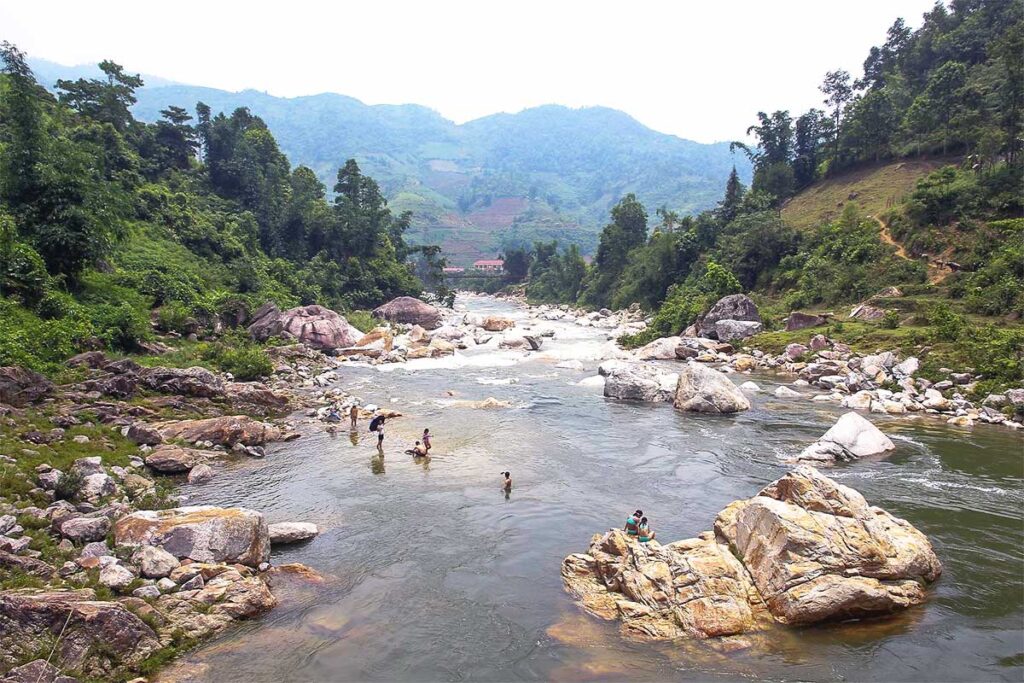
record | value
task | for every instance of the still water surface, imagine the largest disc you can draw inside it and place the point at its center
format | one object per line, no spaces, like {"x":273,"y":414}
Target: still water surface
{"x":437,"y":575}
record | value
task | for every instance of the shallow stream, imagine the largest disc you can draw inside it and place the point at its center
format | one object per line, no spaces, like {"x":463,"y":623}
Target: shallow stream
{"x":438,"y":575}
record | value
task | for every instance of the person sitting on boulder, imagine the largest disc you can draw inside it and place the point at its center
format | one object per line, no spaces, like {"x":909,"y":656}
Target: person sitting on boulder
{"x":644,"y":531}
{"x":631,"y":528}
{"x":332,"y":414}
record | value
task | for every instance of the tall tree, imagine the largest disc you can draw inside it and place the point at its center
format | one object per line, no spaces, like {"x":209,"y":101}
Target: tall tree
{"x":838,"y":91}
{"x":107,"y":101}
{"x":729,"y":207}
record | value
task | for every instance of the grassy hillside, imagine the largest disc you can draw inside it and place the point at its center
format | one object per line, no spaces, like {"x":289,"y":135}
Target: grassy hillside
{"x":874,"y":189}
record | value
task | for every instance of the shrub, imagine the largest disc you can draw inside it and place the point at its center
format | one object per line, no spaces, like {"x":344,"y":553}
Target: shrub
{"x":121,"y":327}
{"x":891,"y":320}
{"x":362,"y":320}
{"x":237,"y":354}
{"x":68,"y":485}
{"x":172,"y":316}
{"x":946,"y":322}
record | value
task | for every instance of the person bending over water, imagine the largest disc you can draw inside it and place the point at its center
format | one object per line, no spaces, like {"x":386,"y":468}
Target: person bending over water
{"x":644,"y":531}
{"x":632,"y":523}
{"x":418,"y":451}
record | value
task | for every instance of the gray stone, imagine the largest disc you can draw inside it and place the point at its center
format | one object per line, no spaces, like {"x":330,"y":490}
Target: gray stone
{"x":116,"y":576}
{"x":155,"y":562}
{"x":703,"y":390}
{"x":730,"y":330}
{"x":291,"y":532}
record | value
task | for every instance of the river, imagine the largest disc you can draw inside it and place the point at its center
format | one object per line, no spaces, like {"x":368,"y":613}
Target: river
{"x":436,"y":574}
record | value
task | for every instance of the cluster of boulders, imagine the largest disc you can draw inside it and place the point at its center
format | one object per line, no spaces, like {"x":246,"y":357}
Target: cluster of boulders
{"x":804,"y":550}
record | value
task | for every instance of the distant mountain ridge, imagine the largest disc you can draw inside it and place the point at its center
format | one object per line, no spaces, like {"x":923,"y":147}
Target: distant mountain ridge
{"x":549,"y":172}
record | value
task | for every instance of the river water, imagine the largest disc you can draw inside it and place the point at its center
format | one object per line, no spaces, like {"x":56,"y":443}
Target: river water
{"x":435,"y":574}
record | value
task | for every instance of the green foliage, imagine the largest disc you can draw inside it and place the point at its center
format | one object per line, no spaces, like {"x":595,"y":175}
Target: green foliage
{"x":361,"y":320}
{"x":68,"y":485}
{"x":237,"y":354}
{"x":555,"y":276}
{"x":891,"y":319}
{"x":946,"y":322}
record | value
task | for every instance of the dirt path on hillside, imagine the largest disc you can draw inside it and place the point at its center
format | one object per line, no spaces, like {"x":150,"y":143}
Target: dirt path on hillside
{"x":936,"y":273}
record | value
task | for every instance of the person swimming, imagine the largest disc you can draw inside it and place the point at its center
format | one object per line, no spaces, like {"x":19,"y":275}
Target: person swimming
{"x":632,"y":523}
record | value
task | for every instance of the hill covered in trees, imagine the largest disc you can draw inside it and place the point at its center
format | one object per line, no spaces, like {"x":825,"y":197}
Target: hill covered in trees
{"x":911,"y":176}
{"x":107,"y":222}
{"x":504,"y":180}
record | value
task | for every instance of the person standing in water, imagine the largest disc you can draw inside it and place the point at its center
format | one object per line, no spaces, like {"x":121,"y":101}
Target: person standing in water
{"x":506,"y":481}
{"x":426,"y":439}
{"x":353,"y":415}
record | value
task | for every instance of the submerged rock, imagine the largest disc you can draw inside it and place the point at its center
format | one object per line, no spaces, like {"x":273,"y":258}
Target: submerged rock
{"x":291,"y":532}
{"x":851,"y":437}
{"x":703,"y":390}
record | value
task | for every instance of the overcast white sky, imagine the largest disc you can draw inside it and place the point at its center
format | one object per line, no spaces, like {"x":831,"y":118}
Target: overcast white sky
{"x":700,"y":69}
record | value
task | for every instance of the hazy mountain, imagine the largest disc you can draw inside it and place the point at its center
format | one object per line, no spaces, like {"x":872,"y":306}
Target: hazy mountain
{"x":547,"y":172}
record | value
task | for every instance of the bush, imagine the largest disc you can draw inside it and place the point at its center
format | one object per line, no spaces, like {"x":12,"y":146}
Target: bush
{"x":891,"y":320}
{"x":997,"y":354}
{"x":68,"y":485}
{"x":946,"y":322}
{"x":37,"y":344}
{"x":362,"y":320}
{"x":237,"y":354}
{"x":121,"y":327}
{"x":172,"y":316}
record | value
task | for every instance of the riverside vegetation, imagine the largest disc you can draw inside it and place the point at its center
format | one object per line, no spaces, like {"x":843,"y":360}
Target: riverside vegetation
{"x":952,"y":246}
{"x":139,"y":251}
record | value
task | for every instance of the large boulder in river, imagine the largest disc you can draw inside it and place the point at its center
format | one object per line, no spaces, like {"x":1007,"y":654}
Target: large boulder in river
{"x":203,"y":533}
{"x":693,"y":588}
{"x":666,"y":348}
{"x":315,"y":326}
{"x":222,"y":431}
{"x":732,"y":307}
{"x":703,"y":390}
{"x":818,"y":552}
{"x":496,"y":323}
{"x":410,"y":311}
{"x":851,"y":437}
{"x":19,"y":387}
{"x":637,"y":382}
{"x":74,"y":625}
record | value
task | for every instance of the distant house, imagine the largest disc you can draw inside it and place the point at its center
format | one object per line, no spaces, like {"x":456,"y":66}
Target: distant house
{"x":454,"y":270}
{"x":489,"y":266}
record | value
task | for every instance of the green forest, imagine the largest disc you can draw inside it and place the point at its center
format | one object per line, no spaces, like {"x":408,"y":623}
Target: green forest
{"x":952,"y":91}
{"x":192,"y":222}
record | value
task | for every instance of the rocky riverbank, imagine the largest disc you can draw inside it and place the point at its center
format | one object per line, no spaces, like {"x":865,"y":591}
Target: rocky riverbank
{"x":104,"y":576}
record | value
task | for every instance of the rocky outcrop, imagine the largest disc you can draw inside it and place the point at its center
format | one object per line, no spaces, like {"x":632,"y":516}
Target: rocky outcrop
{"x":851,"y":437}
{"x":409,"y":311}
{"x":31,"y":621}
{"x":732,"y":307}
{"x":804,"y":550}
{"x":38,"y":671}
{"x":315,"y":326}
{"x":731,"y":330}
{"x":702,"y":390}
{"x":223,"y":431}
{"x":195,"y":381}
{"x":798,"y":320}
{"x":693,"y":588}
{"x":637,"y":382}
{"x":20,"y":387}
{"x":818,"y":552}
{"x":665,"y":348}
{"x":202,"y":533}
{"x":866,"y":312}
{"x":170,"y":459}
{"x":255,"y":398}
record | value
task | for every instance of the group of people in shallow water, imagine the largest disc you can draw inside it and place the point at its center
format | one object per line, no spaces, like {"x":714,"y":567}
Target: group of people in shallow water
{"x":636,"y":525}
